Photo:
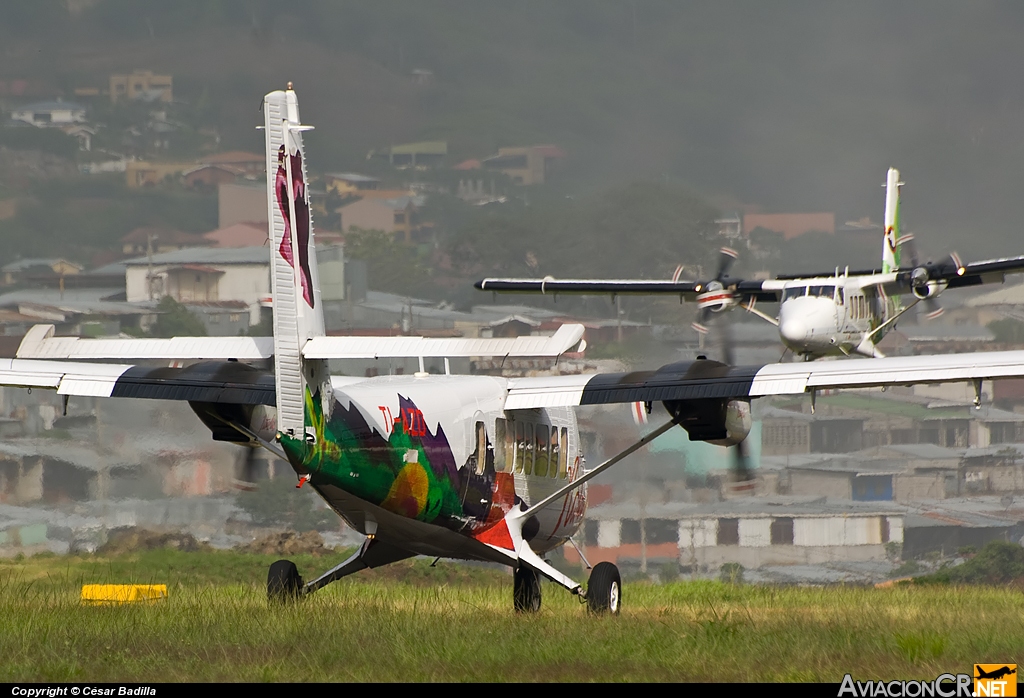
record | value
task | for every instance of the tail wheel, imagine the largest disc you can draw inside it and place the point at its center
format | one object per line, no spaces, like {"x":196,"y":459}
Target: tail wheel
{"x":283,"y":581}
{"x":604,"y":590}
{"x":525,"y":590}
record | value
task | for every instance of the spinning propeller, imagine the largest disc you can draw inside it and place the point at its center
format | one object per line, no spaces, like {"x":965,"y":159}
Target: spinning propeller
{"x":928,"y":280}
{"x":714,"y":296}
{"x":246,"y":469}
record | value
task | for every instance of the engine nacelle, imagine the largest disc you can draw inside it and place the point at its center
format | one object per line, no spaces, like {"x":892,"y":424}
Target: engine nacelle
{"x":929,"y":290}
{"x":218,"y":417}
{"x":719,"y":422}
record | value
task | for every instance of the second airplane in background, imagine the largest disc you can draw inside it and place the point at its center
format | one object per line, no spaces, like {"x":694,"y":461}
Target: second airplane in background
{"x":842,"y":313}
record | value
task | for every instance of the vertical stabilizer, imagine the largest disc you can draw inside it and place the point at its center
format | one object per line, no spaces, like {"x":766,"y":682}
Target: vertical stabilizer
{"x":298,"y":314}
{"x":890,"y":245}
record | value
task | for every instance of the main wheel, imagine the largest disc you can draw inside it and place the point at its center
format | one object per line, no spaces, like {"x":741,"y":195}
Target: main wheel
{"x":526,"y":590}
{"x":283,"y":581}
{"x":604,"y":590}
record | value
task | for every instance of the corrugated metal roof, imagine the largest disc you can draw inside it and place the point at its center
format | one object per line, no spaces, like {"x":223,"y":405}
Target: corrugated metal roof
{"x":754,"y":507}
{"x":207,"y":255}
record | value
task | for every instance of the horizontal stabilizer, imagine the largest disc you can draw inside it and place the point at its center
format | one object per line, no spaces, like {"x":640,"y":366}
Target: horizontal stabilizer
{"x":566,"y":338}
{"x":39,"y":343}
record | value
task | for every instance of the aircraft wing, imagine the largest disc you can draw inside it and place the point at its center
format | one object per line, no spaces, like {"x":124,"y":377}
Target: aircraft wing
{"x":704,"y":379}
{"x":223,"y":382}
{"x":976,"y":273}
{"x":39,"y":343}
{"x":688,"y":290}
{"x":564,"y":339}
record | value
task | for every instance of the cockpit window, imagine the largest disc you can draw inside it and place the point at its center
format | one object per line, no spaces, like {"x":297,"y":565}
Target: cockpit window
{"x":794,"y":292}
{"x":822,"y":291}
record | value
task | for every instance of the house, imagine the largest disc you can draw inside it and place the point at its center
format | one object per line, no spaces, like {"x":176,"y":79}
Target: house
{"x":423,"y":154}
{"x":35,"y":270}
{"x":202,"y":275}
{"x":253,"y":164}
{"x":350,"y":183}
{"x":140,"y":173}
{"x":752,"y":532}
{"x":141,"y":85}
{"x":55,"y":113}
{"x":241,"y":202}
{"x":140,"y":240}
{"x":790,"y":225}
{"x":397,"y":216}
{"x":246,"y":234}
{"x":210,"y":176}
{"x":524,"y":165}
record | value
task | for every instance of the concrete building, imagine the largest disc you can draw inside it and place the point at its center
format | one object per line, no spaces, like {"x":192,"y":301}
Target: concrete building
{"x":202,"y":275}
{"x":399,"y":217}
{"x":54,"y":113}
{"x":751,"y":532}
{"x":241,"y":203}
{"x":526,"y":165}
{"x":141,"y":85}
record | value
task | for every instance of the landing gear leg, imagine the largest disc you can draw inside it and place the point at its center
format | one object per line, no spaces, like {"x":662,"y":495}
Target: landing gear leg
{"x":525,"y":590}
{"x":604,"y":590}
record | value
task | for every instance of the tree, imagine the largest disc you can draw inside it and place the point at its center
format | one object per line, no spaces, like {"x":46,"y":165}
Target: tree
{"x":175,"y":320}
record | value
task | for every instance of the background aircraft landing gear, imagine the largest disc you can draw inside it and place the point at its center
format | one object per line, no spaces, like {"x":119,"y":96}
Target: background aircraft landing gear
{"x":526,"y":589}
{"x":283,"y":581}
{"x":604,"y":590}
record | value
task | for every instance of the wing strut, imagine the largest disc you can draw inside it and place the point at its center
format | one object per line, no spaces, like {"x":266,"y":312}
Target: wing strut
{"x":599,"y":469}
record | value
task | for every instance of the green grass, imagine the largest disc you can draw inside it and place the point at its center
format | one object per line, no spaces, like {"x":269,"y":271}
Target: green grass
{"x":412,"y":622}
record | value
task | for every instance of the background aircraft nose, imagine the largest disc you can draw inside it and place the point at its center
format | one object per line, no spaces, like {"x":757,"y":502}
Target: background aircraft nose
{"x":793,"y":330}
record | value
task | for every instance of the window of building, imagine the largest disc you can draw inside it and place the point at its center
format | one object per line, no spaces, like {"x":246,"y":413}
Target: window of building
{"x":661,"y":531}
{"x":728,"y":532}
{"x":590,"y":527}
{"x":630,"y":531}
{"x":782,"y":531}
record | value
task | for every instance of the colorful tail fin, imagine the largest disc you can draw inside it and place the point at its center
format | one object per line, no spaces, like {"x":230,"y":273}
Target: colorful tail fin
{"x":298,"y":314}
{"x":890,"y":245}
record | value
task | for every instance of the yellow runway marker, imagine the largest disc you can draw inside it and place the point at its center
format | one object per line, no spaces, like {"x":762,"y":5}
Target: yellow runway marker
{"x":122,"y":593}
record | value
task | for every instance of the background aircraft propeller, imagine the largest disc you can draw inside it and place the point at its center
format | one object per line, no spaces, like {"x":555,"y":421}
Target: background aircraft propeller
{"x":714,"y":296}
{"x":927,"y":280}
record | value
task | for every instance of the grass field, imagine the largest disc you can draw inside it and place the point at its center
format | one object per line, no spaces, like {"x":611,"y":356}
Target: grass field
{"x":411,"y":622}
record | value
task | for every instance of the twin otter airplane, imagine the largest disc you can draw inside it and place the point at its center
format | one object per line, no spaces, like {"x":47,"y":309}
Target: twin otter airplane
{"x":455,"y":466}
{"x":835,"y":314}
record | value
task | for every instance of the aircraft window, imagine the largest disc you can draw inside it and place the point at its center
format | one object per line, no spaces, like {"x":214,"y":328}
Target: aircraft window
{"x":540,"y":458}
{"x":520,"y":454}
{"x":503,"y":445}
{"x":794,"y":292}
{"x":528,"y":450}
{"x":822,"y":291}
{"x":555,"y":451}
{"x":563,"y":455}
{"x":481,"y":447}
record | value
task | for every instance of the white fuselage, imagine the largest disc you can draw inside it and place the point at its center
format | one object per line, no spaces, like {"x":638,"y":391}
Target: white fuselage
{"x":833,"y":316}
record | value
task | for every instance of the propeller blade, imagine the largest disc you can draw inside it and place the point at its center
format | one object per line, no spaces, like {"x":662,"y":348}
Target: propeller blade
{"x":933,"y":309}
{"x":246,"y":479}
{"x":726,"y":257}
{"x":743,"y":480}
{"x":907,"y":241}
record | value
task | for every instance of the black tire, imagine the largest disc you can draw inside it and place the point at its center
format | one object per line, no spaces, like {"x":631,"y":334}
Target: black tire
{"x":604,"y":590}
{"x":525,"y":590}
{"x":283,"y":581}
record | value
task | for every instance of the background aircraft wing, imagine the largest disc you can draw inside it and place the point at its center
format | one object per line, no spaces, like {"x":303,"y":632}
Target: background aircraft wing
{"x":689,"y":290}
{"x":222,"y":381}
{"x":704,"y":379}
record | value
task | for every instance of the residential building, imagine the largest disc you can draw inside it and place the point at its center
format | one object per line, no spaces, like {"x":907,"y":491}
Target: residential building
{"x":350,"y":183}
{"x":397,"y":216}
{"x":159,"y":240}
{"x":241,"y":203}
{"x":38,"y":271}
{"x":790,"y":225}
{"x":246,"y":163}
{"x":246,"y":234}
{"x":140,"y":173}
{"x":142,"y":85}
{"x":202,"y":275}
{"x":524,"y":165}
{"x":423,"y":154}
{"x":53,"y":113}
